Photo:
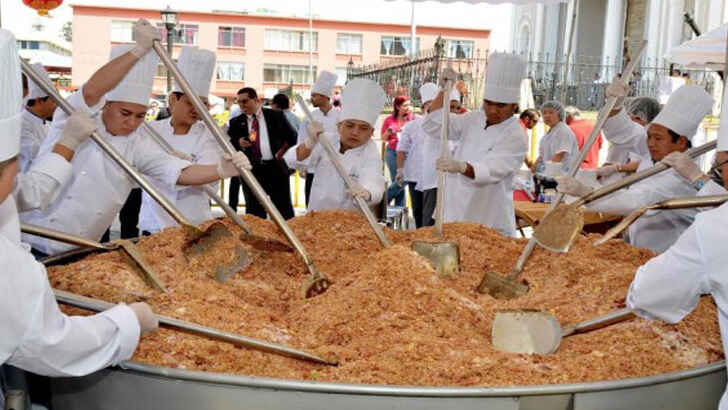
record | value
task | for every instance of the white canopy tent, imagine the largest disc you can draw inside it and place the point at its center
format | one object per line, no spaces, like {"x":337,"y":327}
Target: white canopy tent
{"x":707,"y":50}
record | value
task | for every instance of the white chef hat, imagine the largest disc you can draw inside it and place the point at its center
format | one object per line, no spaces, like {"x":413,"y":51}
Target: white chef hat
{"x":428,"y":92}
{"x":723,"y":129}
{"x":34,"y":91}
{"x":197,"y":66}
{"x":455,"y":95}
{"x":503,"y":78}
{"x":325,"y":83}
{"x":11,"y":96}
{"x":685,"y":110}
{"x":362,"y":99}
{"x":136,"y":87}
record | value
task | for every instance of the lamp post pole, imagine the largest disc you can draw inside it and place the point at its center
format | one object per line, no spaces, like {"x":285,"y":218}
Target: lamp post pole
{"x":169,"y":17}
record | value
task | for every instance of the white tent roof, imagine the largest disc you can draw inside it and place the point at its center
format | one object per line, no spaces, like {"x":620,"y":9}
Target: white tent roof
{"x":707,"y":50}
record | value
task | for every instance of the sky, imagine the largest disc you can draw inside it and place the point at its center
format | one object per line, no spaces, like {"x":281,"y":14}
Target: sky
{"x":497,"y":18}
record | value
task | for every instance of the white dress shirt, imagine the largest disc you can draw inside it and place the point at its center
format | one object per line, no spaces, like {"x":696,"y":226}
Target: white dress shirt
{"x":266,"y":154}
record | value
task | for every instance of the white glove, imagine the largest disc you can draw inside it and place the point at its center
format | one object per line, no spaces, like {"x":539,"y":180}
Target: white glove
{"x":399,"y":178}
{"x":617,"y":89}
{"x":448,"y":74}
{"x":148,"y":321}
{"x":607,"y":170}
{"x":570,"y":186}
{"x":683,"y":165}
{"x":315,"y":129}
{"x":79,"y":126}
{"x":145,"y":34}
{"x":448,"y":164}
{"x":359,"y":191}
{"x":228,"y":166}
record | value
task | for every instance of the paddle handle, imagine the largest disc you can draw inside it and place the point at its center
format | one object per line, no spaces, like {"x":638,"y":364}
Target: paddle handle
{"x":59,"y":236}
{"x":441,"y":175}
{"x":333,"y":156}
{"x":109,"y":149}
{"x":97,"y":305}
{"x":639,"y":176}
{"x":246,"y":174}
{"x":206,"y":188}
{"x":598,"y":323}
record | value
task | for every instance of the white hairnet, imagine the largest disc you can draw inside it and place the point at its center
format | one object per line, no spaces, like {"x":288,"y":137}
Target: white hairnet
{"x":646,"y":108}
{"x":556,"y":106}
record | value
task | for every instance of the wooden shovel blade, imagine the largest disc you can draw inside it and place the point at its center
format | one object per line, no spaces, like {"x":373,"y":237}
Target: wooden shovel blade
{"x":526,"y":331}
{"x":558,"y":230}
{"x":147,"y":272}
{"x":315,"y":285}
{"x":501,"y":287}
{"x":443,"y":256}
{"x":265,"y":244}
{"x":219,"y":251}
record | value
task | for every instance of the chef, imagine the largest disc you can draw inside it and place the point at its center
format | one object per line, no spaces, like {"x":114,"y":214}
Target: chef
{"x":559,"y":145}
{"x":362,"y":101}
{"x":118,"y":93}
{"x":492,"y":146}
{"x":669,"y":286}
{"x":626,"y":131}
{"x":410,"y":158}
{"x":325,"y":113}
{"x":190,"y":138}
{"x":670,"y":132}
{"x":36,"y":335}
{"x":36,"y":116}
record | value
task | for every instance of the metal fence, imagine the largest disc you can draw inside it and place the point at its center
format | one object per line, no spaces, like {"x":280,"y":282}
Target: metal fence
{"x":587,"y":79}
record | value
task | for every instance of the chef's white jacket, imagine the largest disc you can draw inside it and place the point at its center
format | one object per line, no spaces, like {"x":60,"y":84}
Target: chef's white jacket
{"x":38,"y":337}
{"x":658,"y":229}
{"x":560,"y":138}
{"x":495,"y":153}
{"x":329,"y":120}
{"x":89,"y":203}
{"x":33,"y":132}
{"x":668,"y":287}
{"x":192,"y":202}
{"x":363,"y":164}
{"x":412,"y":143}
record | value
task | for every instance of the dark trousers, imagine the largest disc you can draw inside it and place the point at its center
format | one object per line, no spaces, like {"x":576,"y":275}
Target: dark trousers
{"x":234,"y":192}
{"x":128,"y":216}
{"x":309,"y":184}
{"x":417,"y":198}
{"x":429,"y":202}
{"x":275,"y":181}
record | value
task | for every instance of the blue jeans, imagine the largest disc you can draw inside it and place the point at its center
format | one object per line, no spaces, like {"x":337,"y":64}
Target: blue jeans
{"x":395,"y":191}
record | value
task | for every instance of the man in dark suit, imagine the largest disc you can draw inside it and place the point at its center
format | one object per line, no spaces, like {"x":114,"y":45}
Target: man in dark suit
{"x":263,"y":135}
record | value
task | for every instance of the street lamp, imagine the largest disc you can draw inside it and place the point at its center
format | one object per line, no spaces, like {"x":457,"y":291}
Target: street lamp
{"x":169,"y":18}
{"x":349,"y":69}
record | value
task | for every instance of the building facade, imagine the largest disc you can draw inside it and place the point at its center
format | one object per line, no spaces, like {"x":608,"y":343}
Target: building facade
{"x":267,"y":52}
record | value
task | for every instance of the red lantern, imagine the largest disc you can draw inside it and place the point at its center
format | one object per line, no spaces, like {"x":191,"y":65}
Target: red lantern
{"x":43,"y":6}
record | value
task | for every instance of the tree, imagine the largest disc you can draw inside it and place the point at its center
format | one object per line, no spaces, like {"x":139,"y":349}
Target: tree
{"x":67,"y":31}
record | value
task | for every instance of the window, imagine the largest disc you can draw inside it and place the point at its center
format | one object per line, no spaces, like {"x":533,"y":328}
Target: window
{"x":397,"y":46}
{"x":231,"y":37}
{"x":348,"y":43}
{"x":122,"y":31}
{"x":282,"y":73}
{"x":28,"y":45}
{"x":341,"y":76}
{"x":183,"y":33}
{"x":230,"y":71}
{"x":285,"y":40}
{"x":459,"y":48}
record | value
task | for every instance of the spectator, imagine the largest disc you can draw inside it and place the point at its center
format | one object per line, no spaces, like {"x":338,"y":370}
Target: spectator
{"x":582,"y":128}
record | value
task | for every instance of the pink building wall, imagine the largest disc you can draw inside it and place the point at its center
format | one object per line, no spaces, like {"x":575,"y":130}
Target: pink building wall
{"x":92,"y":42}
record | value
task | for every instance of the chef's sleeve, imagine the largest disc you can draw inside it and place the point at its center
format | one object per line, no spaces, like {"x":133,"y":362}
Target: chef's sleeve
{"x":651,"y":191}
{"x":151,"y":160}
{"x":59,"y":345}
{"x":433,"y":124}
{"x":668,"y":287}
{"x":41,"y":185}
{"x":406,"y":138}
{"x":620,"y":129}
{"x":371,"y":177}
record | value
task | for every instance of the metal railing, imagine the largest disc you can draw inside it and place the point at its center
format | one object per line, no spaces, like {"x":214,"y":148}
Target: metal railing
{"x":588,"y":76}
